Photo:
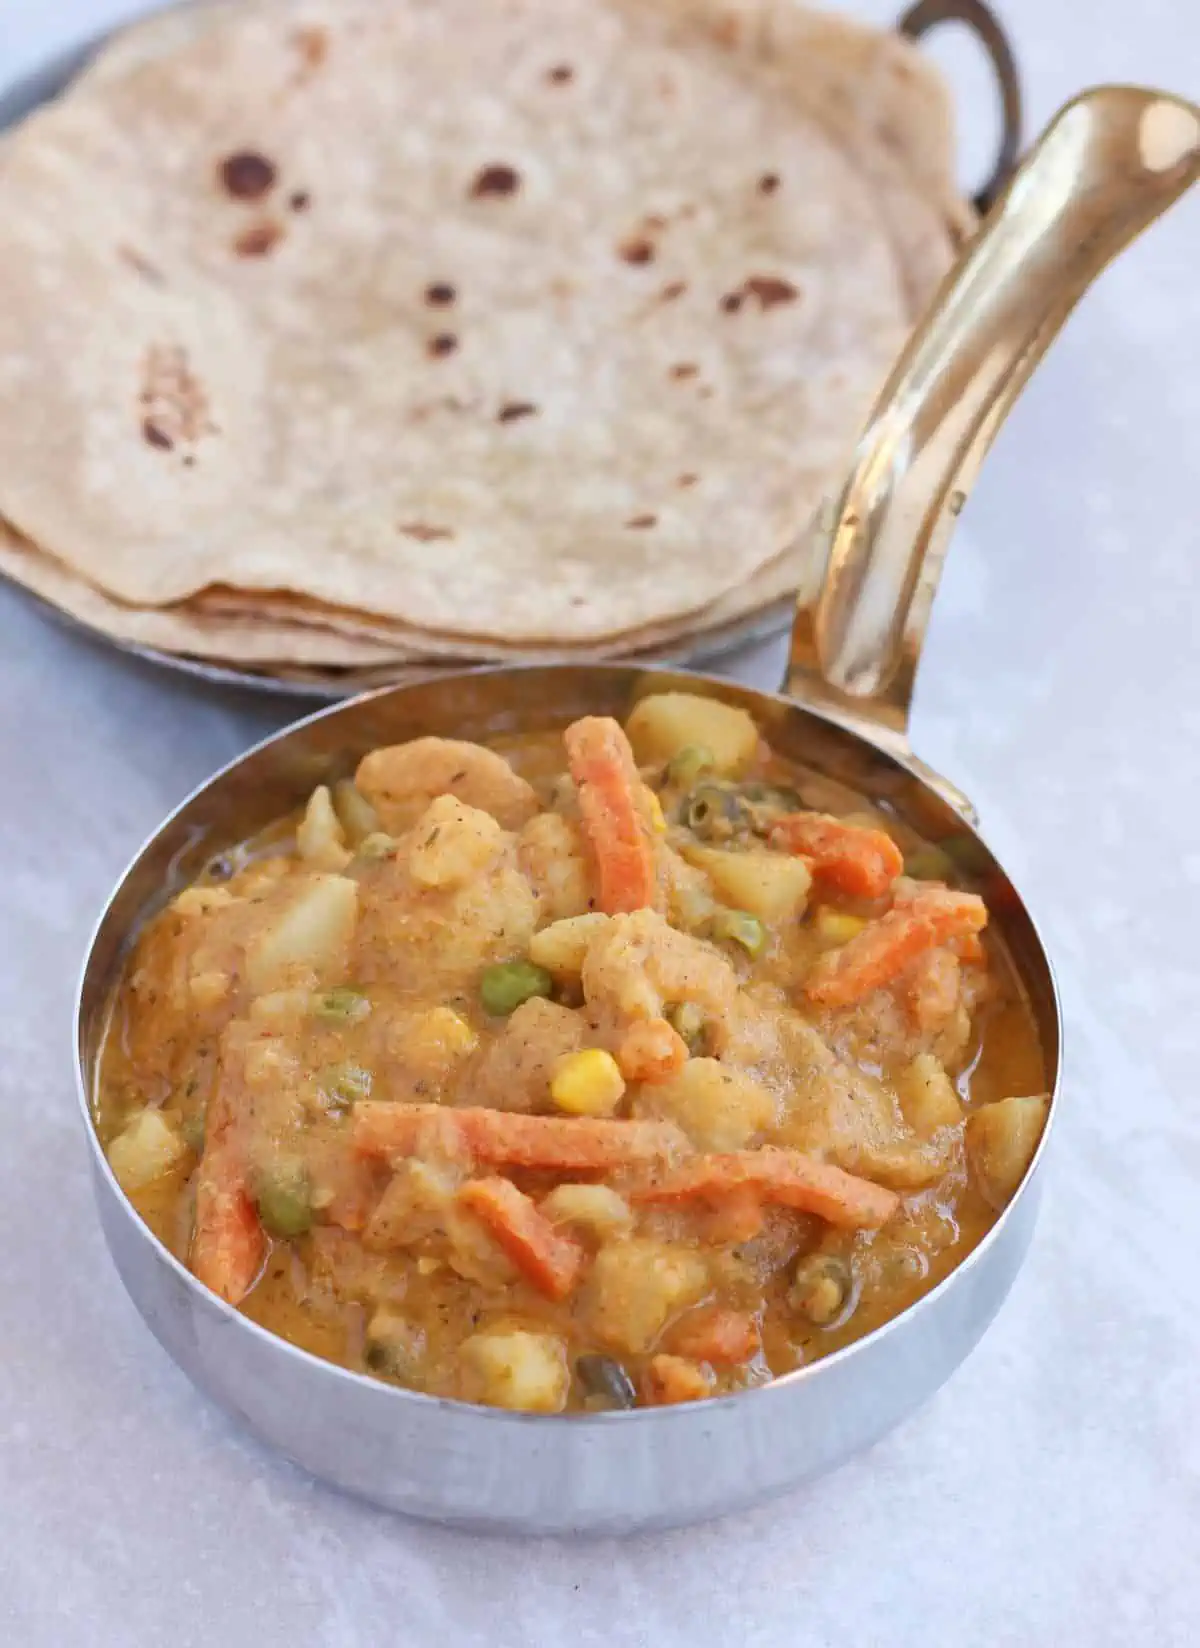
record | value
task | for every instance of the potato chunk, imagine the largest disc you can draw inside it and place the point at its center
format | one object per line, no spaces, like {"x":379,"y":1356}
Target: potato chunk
{"x":772,"y":886}
{"x":453,"y":843}
{"x":312,"y":929}
{"x":593,"y":1208}
{"x":561,"y":947}
{"x":515,"y":1369}
{"x":320,"y":839}
{"x":718,"y":1109}
{"x":145,"y":1149}
{"x":637,"y":1286}
{"x":416,"y":1204}
{"x":551,"y":855}
{"x":355,"y":813}
{"x":666,"y":722}
{"x":1001,"y":1139}
{"x":927,"y":1096}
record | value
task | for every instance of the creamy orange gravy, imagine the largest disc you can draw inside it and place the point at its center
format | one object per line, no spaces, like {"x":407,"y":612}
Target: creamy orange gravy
{"x":414,"y":1302}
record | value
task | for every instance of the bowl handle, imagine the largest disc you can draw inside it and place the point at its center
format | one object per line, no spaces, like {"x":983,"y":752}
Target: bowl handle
{"x":1107,"y":165}
{"x":925,"y":16}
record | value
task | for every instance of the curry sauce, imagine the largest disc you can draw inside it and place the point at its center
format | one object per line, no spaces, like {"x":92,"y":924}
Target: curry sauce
{"x":597,"y":1069}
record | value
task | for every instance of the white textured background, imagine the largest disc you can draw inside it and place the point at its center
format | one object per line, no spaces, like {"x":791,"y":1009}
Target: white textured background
{"x":1051,"y":1493}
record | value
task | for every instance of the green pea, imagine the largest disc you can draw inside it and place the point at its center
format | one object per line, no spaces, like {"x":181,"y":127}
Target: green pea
{"x":689,"y":1020}
{"x":689,"y":764}
{"x":505,"y":986}
{"x":343,"y":1085}
{"x":741,"y":928}
{"x":284,"y":1198}
{"x":342,"y":1006}
{"x":929,"y":864}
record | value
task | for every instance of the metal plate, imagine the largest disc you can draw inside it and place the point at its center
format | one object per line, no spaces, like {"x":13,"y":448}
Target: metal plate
{"x":19,"y":100}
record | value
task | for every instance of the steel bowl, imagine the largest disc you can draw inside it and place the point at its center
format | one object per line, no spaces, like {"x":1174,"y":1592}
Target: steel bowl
{"x":1109,"y":163}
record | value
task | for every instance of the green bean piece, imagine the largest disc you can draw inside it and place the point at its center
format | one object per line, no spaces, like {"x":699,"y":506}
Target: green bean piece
{"x":689,"y":764}
{"x":342,"y":1006}
{"x":505,"y":986}
{"x":741,"y":928}
{"x":343,"y":1085}
{"x":929,"y":864}
{"x":605,"y":1381}
{"x":689,"y":1021}
{"x":284,"y":1198}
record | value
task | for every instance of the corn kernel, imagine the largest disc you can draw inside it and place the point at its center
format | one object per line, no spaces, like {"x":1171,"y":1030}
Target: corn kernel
{"x":837,"y":926}
{"x":588,"y":1083}
{"x":654,"y":809}
{"x":442,"y":1035}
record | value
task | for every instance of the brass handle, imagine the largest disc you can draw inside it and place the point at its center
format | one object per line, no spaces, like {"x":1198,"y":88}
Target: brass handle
{"x":926,"y":15}
{"x":1109,"y":163}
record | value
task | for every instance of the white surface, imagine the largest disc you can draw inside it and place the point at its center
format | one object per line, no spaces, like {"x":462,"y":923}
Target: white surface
{"x":1052,"y":1491}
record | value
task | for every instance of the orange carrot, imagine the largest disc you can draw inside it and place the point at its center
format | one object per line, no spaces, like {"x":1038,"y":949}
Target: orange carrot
{"x":715,"y":1334}
{"x":577,"y":1144}
{"x":552,"y":1261}
{"x":785,"y":1178}
{"x":854,"y":859}
{"x":651,"y":1050}
{"x":602,"y":764}
{"x":885,"y":947}
{"x":228,"y":1245}
{"x":672,"y":1379}
{"x":969,"y":948}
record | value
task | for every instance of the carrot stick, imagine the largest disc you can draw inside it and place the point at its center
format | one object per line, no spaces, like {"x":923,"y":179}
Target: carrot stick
{"x":601,"y":763}
{"x":558,"y":1143}
{"x":850,"y":857}
{"x":552,"y":1261}
{"x":715,"y":1334}
{"x":885,"y":947}
{"x":785,"y":1178}
{"x":228,"y":1245}
{"x":651,"y":1050}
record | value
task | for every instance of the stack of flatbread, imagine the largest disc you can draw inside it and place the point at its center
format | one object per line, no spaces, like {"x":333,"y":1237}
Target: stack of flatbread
{"x":342,"y":337}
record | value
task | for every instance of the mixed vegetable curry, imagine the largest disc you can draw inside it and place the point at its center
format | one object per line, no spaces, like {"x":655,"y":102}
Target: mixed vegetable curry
{"x":633,"y":1083}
